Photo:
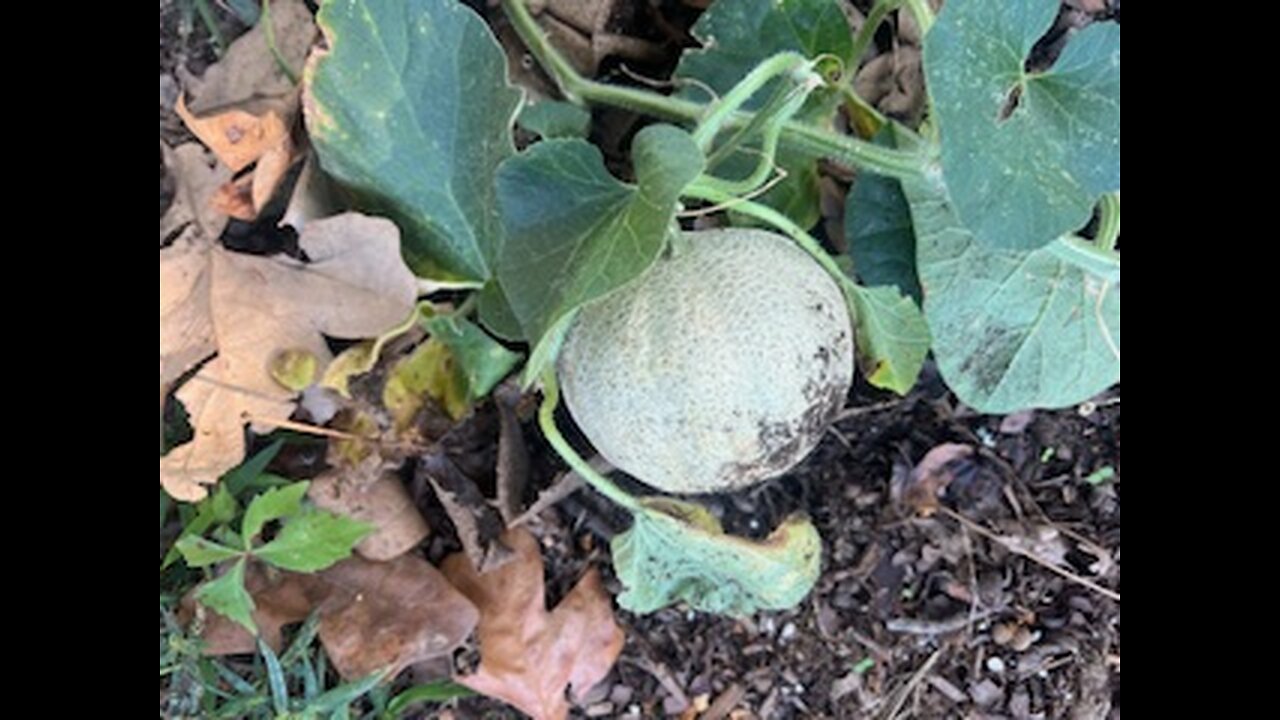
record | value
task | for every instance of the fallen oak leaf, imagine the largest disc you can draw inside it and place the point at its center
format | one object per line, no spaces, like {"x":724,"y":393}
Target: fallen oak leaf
{"x":245,"y":106}
{"x":390,"y":615}
{"x":529,"y":657}
{"x":372,"y":616}
{"x":249,"y":70}
{"x":197,"y":176}
{"x":355,"y":285}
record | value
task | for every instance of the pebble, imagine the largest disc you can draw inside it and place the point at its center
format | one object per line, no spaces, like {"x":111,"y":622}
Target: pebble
{"x":995,"y":664}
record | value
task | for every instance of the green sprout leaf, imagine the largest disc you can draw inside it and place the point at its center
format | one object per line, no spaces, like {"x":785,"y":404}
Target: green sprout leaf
{"x":575,"y":234}
{"x":677,"y":552}
{"x":271,"y":505}
{"x":226,"y":596}
{"x":199,"y":552}
{"x":1012,"y":329}
{"x":410,"y":109}
{"x":1025,"y":154}
{"x":313,"y":540}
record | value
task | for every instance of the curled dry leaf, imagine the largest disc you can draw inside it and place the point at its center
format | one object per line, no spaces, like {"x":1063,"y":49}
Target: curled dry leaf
{"x":930,"y":477}
{"x":528,"y":656}
{"x":372,"y":615}
{"x":354,"y":286}
{"x":894,"y":83}
{"x":245,"y":106}
{"x":197,"y":176}
{"x":368,"y":493}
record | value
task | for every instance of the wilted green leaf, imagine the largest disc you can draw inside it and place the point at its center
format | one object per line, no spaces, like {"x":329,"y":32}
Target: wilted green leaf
{"x":677,"y":552}
{"x":574,"y":233}
{"x":1025,"y":154}
{"x":891,"y":337}
{"x":480,"y":361}
{"x":1012,"y":329}
{"x":555,"y":119}
{"x":226,"y":596}
{"x":410,"y":109}
{"x":312,"y":541}
{"x":271,"y":505}
{"x":199,"y":552}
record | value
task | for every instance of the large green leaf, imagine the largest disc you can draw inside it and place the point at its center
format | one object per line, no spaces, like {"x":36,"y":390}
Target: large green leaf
{"x":738,"y":34}
{"x":677,"y":552}
{"x":1012,"y":329}
{"x":410,"y":109}
{"x":1021,"y":179}
{"x":877,"y":226}
{"x":575,"y":233}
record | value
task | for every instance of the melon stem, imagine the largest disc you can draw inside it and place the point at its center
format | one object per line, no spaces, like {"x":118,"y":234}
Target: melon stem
{"x":547,"y":421}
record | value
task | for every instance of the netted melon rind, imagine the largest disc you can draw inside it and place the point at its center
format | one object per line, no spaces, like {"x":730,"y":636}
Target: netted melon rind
{"x":720,"y":367}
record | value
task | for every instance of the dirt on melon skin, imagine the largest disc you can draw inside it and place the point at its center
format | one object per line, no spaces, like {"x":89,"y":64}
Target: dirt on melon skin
{"x":722,"y":366}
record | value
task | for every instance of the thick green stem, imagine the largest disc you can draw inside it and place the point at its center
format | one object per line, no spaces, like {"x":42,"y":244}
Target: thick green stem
{"x":772,"y":130}
{"x":1109,"y":221}
{"x":722,"y":110}
{"x":807,"y":139}
{"x":547,"y":421}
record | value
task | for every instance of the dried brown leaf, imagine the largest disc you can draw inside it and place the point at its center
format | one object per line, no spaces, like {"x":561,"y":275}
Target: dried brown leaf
{"x":372,"y":615}
{"x":368,"y":493}
{"x":480,"y":526}
{"x":529,"y":657}
{"x":197,"y":176}
{"x":390,"y":615}
{"x":930,"y":477}
{"x":248,"y":71}
{"x":355,"y":285}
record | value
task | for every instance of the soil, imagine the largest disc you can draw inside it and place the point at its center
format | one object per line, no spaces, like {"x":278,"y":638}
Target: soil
{"x":929,"y":617}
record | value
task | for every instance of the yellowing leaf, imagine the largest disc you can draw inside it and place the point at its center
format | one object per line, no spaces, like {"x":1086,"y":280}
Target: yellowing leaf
{"x":354,"y":285}
{"x":528,"y":656}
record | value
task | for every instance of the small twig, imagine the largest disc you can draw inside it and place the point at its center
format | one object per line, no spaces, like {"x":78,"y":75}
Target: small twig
{"x":1069,"y":575}
{"x":915,"y":680}
{"x":567,"y":484}
{"x":932,"y":628}
{"x":854,"y":412}
{"x":318,"y":431}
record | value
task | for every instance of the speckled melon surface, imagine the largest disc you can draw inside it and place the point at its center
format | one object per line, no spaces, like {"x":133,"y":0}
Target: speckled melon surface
{"x":720,"y":367}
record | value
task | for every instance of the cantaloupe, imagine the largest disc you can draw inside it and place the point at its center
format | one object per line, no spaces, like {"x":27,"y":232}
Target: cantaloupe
{"x":720,"y":367}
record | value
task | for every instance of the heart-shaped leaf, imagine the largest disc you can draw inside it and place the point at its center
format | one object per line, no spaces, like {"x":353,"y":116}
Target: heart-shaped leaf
{"x":574,"y":233}
{"x":1025,"y":154}
{"x":410,"y":108}
{"x":1012,"y":329}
